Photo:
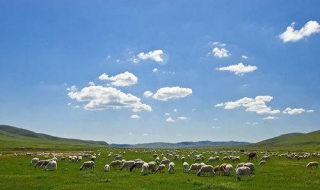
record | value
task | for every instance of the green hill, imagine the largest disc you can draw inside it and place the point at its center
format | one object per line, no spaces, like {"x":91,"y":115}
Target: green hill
{"x":17,"y":138}
{"x":292,"y":140}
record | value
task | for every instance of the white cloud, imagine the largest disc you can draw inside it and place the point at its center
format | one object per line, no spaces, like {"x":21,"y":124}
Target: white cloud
{"x":183,"y":118}
{"x":296,"y":111}
{"x":220,"y":52}
{"x":167,"y":114}
{"x":145,"y":134}
{"x":123,"y":79}
{"x":270,"y":118}
{"x":91,"y":83}
{"x":238,"y":69}
{"x":72,"y":88}
{"x":99,"y":98}
{"x":257,"y":105}
{"x":219,"y":105}
{"x":155,"y":70}
{"x":153,"y":55}
{"x":147,"y":94}
{"x":135,"y":117}
{"x":291,"y":35}
{"x":170,"y":120}
{"x":244,"y":57}
{"x":167,"y":93}
{"x":175,"y":110}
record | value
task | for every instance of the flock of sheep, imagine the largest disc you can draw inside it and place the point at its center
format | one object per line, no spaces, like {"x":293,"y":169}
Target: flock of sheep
{"x":199,"y":166}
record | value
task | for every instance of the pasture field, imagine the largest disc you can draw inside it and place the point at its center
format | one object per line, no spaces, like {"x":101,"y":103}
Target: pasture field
{"x":16,"y":173}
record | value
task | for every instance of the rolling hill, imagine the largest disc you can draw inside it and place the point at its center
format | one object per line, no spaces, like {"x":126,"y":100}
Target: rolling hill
{"x":292,"y":140}
{"x":13,"y":137}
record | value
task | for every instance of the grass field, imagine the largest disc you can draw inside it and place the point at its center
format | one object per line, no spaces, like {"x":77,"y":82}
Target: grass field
{"x":15,"y":173}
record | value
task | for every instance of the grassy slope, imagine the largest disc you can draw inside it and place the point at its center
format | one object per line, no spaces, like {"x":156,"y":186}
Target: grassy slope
{"x":12,"y":137}
{"x":292,"y":140}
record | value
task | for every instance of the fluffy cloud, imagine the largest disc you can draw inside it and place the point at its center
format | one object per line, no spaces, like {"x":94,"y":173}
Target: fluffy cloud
{"x":296,"y":111}
{"x":170,"y":120}
{"x":123,"y":79}
{"x":257,"y":105}
{"x":291,"y":35}
{"x":147,"y":94}
{"x":155,"y":70}
{"x":183,"y":118}
{"x":239,"y":69}
{"x":135,"y":117}
{"x":153,"y":55}
{"x":99,"y":98}
{"x":244,"y":57}
{"x":167,"y":93}
{"x":220,"y":52}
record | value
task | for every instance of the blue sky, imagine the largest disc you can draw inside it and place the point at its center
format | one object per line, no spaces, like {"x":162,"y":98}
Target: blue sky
{"x":160,"y":71}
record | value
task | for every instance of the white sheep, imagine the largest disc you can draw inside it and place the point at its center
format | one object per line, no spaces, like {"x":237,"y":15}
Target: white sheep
{"x":206,"y":169}
{"x":115,"y":163}
{"x":185,"y":167}
{"x":137,"y":164}
{"x":87,"y":164}
{"x":152,"y":166}
{"x":312,"y":164}
{"x":165,"y":161}
{"x":52,"y":165}
{"x":193,"y":167}
{"x":251,"y":166}
{"x":144,"y":168}
{"x":243,"y":170}
{"x":227,"y":170}
{"x":107,"y":168}
{"x":127,"y":164}
{"x":160,"y":168}
{"x":262,"y":162}
{"x":171,"y":168}
{"x":34,"y":161}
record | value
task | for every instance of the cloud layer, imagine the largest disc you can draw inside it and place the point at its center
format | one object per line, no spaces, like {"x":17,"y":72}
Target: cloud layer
{"x":167,"y":93}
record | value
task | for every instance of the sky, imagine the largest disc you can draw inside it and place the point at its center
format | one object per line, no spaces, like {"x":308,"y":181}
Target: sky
{"x":140,"y":71}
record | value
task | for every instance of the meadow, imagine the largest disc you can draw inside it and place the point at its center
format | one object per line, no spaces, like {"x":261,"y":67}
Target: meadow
{"x":277,"y":173}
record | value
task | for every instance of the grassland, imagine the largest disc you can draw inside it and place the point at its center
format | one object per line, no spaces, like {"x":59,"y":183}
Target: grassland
{"x":15,"y":173}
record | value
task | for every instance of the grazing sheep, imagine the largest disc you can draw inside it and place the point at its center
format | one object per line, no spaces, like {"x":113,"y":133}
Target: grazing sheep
{"x":251,"y":166}
{"x":160,"y":168}
{"x":206,"y":169}
{"x":41,"y":163}
{"x":312,"y":164}
{"x":106,"y":168}
{"x":152,"y":167}
{"x":217,"y":169}
{"x":144,"y":168}
{"x":157,"y":160}
{"x":262,"y":162}
{"x":127,"y":164}
{"x":185,"y":167}
{"x":171,"y":168}
{"x":193,"y":167}
{"x":52,"y":165}
{"x":235,"y":158}
{"x":227,"y":170}
{"x":137,"y":164}
{"x":93,"y":158}
{"x":115,"y":163}
{"x":34,"y":161}
{"x":87,"y":164}
{"x":243,"y":170}
{"x":165,"y":161}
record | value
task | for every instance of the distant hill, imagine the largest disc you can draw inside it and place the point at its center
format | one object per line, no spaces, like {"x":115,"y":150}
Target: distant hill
{"x":186,"y":144}
{"x":13,"y":137}
{"x":291,"y":140}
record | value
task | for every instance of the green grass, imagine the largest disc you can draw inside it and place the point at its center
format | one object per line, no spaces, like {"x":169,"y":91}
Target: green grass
{"x":15,"y":173}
